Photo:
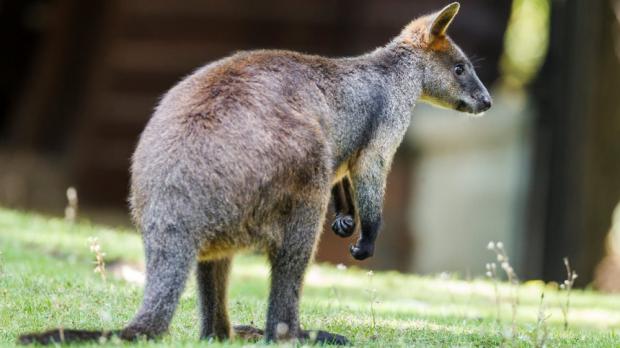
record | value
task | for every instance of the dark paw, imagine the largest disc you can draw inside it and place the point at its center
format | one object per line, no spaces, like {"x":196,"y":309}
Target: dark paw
{"x":343,"y":225}
{"x":361,"y":251}
{"x":324,"y":337}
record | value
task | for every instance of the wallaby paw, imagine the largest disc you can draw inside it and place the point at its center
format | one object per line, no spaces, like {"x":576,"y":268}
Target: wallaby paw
{"x":324,"y":337}
{"x":305,"y":336}
{"x":362,"y":251}
{"x":343,"y":225}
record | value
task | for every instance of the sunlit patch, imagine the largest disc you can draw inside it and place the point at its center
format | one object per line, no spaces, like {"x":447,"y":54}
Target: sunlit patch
{"x":594,"y":317}
{"x":255,"y":269}
{"x":526,"y":41}
{"x":130,"y":273}
{"x":318,"y":277}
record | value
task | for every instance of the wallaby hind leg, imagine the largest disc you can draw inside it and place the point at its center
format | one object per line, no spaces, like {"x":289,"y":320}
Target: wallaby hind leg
{"x":212,"y":278}
{"x":169,"y":256}
{"x":288,"y":266}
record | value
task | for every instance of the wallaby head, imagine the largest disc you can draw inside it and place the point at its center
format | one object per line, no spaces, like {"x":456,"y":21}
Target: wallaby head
{"x":449,"y":79}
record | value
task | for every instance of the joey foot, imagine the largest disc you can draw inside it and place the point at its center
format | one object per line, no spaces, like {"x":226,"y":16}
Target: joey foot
{"x":343,"y":225}
{"x":362,"y":249}
{"x":249,"y":332}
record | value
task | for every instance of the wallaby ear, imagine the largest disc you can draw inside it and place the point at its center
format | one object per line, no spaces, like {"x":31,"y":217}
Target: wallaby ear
{"x":441,"y":21}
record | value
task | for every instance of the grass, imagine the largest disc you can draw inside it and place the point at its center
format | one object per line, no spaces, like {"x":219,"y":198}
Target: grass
{"x":47,"y":280}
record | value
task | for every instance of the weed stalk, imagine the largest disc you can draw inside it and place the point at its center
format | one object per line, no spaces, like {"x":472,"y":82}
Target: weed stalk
{"x":567,"y":286}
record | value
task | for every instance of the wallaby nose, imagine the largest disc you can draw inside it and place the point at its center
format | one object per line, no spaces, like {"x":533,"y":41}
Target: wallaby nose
{"x":486,"y":102}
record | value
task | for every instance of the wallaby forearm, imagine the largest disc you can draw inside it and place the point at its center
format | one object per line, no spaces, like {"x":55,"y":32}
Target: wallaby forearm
{"x":368,"y":177}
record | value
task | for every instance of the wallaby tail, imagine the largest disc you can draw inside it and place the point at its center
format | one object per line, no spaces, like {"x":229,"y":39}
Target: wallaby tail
{"x":57,"y":336}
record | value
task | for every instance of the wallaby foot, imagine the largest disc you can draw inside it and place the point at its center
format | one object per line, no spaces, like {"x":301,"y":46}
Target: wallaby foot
{"x":324,"y":337}
{"x":343,"y":225}
{"x":251,"y":333}
{"x":248,"y":333}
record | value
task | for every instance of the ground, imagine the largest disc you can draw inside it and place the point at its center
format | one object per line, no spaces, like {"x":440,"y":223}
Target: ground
{"x":47,"y":281}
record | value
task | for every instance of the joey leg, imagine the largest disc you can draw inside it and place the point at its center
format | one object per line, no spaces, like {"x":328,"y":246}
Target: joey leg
{"x":344,"y":222}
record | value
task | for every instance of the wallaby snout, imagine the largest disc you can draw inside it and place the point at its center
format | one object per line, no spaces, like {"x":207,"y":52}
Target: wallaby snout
{"x":478,"y":102}
{"x":484,"y":102}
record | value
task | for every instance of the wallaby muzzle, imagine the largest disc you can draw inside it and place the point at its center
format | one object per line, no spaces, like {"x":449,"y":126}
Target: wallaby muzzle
{"x":483,"y":101}
{"x":477,"y":101}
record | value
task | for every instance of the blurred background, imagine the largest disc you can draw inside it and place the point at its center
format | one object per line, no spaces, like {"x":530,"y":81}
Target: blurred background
{"x":540,"y":172}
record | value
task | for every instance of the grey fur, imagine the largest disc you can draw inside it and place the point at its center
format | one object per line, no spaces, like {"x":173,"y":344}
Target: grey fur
{"x":243,"y":153}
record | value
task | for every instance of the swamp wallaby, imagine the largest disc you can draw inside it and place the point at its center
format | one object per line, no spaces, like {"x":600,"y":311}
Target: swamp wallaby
{"x":243,"y":154}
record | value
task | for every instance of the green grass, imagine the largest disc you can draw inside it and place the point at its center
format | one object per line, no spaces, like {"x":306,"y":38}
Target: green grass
{"x":47,"y":280}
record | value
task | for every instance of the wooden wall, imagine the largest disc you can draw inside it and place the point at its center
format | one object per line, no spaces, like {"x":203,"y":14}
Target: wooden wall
{"x":102,"y":65}
{"x":577,"y":155}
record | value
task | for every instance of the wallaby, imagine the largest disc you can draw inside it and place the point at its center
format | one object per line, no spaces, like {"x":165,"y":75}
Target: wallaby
{"x":244,"y":152}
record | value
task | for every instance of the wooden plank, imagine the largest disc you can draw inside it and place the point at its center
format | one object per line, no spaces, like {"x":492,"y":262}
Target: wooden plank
{"x":122,"y":108}
{"x":163,"y":56}
{"x":309,"y":11}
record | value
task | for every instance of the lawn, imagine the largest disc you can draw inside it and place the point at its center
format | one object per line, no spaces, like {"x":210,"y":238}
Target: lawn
{"x":47,"y":280}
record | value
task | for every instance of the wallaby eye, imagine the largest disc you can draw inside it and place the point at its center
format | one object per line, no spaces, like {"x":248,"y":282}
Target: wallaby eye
{"x":459,"y":69}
